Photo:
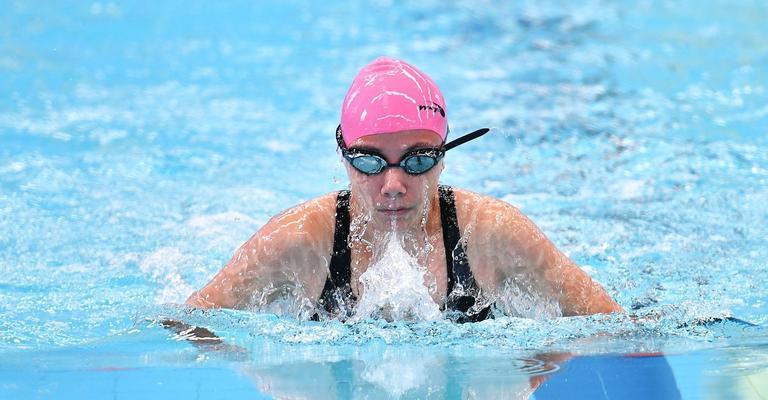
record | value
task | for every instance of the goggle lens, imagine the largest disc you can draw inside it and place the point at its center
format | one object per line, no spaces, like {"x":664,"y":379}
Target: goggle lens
{"x":418,"y":164}
{"x":414,"y":164}
{"x":368,"y":164}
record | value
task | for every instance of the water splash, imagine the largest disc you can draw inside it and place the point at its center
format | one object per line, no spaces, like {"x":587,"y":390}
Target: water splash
{"x":393,"y":287}
{"x":666,"y":329}
{"x":519,"y":298}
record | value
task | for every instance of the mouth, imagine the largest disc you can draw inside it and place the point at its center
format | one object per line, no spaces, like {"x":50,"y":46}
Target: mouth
{"x":394,"y":212}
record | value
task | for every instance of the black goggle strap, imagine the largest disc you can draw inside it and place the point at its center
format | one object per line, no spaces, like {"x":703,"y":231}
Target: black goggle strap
{"x":340,"y":139}
{"x":466,"y":138}
{"x":453,"y":143}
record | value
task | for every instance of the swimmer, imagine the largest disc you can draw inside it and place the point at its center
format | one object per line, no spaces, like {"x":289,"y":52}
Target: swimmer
{"x":393,"y":138}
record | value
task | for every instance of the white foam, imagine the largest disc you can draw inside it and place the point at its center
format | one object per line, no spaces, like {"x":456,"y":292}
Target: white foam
{"x":163,"y":266}
{"x":632,"y":189}
{"x":13,"y":167}
{"x":277,"y":146}
{"x":219,"y":224}
{"x":223,"y":230}
{"x":393,"y":287}
{"x":518,"y":297}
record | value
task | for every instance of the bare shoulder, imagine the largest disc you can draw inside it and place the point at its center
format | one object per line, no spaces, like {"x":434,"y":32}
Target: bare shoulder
{"x":290,"y":248}
{"x":498,"y":236}
{"x":503,"y":243}
{"x":500,"y":239}
{"x":471,"y":202}
{"x":313,"y":210}
{"x":308,"y":223}
{"x":492,"y":217}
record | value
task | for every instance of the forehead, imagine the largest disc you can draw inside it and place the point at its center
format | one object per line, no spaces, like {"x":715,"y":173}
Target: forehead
{"x":398,"y":141}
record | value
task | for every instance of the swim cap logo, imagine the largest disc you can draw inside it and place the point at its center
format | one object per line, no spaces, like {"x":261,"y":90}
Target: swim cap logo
{"x":434,"y":107}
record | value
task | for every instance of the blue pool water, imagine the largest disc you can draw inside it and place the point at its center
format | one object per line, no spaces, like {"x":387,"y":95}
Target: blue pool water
{"x":141,"y":143}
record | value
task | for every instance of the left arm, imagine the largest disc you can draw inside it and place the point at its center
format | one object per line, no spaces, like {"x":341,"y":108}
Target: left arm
{"x":579,"y":294}
{"x":508,"y":244}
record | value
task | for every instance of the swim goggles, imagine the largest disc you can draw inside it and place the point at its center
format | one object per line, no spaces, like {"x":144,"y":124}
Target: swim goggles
{"x":414,"y":162}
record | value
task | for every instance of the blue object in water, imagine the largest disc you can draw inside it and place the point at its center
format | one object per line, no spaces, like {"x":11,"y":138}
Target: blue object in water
{"x":624,"y":377}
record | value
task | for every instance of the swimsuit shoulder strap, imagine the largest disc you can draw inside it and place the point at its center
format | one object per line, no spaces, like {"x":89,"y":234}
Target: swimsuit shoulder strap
{"x":340,"y":272}
{"x":457,"y":262}
{"x":455,"y":256}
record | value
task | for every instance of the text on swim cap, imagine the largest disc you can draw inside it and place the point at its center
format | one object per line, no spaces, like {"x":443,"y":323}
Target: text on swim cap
{"x":435,"y":107}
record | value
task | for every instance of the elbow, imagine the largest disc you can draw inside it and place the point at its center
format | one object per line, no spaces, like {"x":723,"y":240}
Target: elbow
{"x":616,"y":308}
{"x":605,"y":304}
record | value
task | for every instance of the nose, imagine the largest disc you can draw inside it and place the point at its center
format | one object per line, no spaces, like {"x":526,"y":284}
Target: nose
{"x":394,"y":182}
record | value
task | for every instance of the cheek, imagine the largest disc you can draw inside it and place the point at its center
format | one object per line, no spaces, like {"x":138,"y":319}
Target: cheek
{"x":431,"y":178}
{"x":369,"y":187}
{"x":362,"y":184}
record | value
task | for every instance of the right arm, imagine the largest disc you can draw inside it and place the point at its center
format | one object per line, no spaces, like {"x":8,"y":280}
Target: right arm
{"x":287,"y":255}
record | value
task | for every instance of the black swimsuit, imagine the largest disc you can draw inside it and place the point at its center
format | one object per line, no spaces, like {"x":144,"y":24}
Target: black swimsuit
{"x":338,"y":291}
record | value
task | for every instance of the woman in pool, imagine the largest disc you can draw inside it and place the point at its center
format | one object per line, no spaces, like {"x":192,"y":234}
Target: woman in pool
{"x":470,"y":247}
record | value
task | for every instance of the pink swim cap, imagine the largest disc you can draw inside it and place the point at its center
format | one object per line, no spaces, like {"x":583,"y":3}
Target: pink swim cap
{"x":390,"y":95}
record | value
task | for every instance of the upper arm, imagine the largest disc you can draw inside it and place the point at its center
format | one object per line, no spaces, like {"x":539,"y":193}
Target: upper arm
{"x":513,"y":247}
{"x":577,"y":292}
{"x":288,"y":255}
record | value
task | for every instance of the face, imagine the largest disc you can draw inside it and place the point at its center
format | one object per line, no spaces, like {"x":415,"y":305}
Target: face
{"x":394,"y":199}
